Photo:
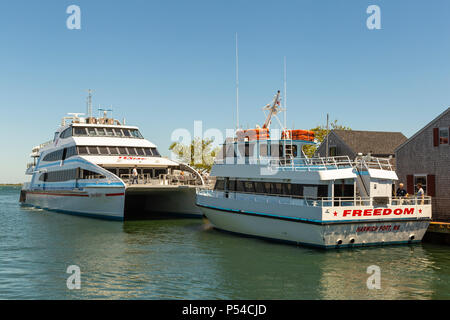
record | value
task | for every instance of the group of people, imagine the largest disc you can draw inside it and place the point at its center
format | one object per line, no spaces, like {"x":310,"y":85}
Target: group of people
{"x":401,"y":192}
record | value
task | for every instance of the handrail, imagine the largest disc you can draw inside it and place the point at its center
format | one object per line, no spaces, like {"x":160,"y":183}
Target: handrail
{"x":323,"y":201}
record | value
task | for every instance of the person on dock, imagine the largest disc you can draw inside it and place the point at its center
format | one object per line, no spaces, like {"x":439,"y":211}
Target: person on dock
{"x":134,"y":176}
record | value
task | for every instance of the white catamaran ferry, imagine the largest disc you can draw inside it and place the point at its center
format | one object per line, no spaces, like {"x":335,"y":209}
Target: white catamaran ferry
{"x":87,"y":169}
{"x":267,"y":187}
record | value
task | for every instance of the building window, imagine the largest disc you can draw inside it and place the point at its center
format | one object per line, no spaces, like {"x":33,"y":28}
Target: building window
{"x":333,"y":151}
{"x":422,"y":179}
{"x":443,"y":135}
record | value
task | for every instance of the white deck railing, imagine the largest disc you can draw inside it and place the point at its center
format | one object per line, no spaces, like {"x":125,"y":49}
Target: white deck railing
{"x":310,"y":201}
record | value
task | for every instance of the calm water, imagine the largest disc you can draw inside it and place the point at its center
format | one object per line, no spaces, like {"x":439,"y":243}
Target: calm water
{"x":187,"y":259}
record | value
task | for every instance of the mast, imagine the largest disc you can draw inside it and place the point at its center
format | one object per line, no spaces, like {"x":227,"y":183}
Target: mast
{"x":237,"y":84}
{"x":273,"y":110}
{"x":89,"y":103}
{"x":285,"y":94}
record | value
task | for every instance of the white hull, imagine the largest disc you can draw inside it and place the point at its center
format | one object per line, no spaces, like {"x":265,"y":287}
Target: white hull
{"x":318,"y":235}
{"x":106,"y":203}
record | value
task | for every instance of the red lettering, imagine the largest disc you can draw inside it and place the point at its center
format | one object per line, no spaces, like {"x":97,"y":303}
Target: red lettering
{"x":398,"y":211}
{"x":377,"y":212}
{"x":347,"y":212}
{"x":387,"y":212}
{"x":409,"y":211}
{"x":357,"y":213}
{"x":367,"y":212}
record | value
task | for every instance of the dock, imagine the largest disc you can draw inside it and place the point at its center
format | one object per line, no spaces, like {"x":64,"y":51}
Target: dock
{"x":438,"y":232}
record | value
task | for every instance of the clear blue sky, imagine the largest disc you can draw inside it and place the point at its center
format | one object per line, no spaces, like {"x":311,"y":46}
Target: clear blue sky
{"x":164,"y":64}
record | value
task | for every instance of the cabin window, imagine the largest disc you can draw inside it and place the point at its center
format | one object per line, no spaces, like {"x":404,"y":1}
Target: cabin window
{"x":249,"y":187}
{"x":101,"y":131}
{"x":109,"y":132}
{"x":263,"y":150}
{"x":66,"y":133}
{"x":55,"y":136}
{"x":93,"y":150}
{"x":297,"y":190}
{"x":155,"y":152}
{"x":91,"y":131}
{"x":268,"y":187}
{"x":310,"y":191}
{"x":132,"y":151}
{"x":259,"y":187}
{"x":220,"y":184}
{"x":82,"y":150}
{"x":232,"y":185}
{"x":322,"y":191}
{"x":140,"y":151}
{"x":443,"y":136}
{"x":276,"y":150}
{"x":78,"y":131}
{"x":287,"y":189}
{"x":126,"y":132}
{"x":240,"y":186}
{"x":103,"y":150}
{"x":113,"y":150}
{"x":123,"y":151}
{"x":118,"y":132}
{"x":148,"y":152}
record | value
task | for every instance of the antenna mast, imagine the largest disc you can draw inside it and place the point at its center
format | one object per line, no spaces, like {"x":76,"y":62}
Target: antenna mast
{"x":237,"y":84}
{"x":89,"y":103}
{"x":285,"y":94}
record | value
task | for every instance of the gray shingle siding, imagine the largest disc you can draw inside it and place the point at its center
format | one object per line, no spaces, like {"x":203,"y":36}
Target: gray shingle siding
{"x":419,"y":156}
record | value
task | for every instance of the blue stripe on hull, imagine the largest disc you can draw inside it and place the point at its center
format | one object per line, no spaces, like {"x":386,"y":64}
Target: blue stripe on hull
{"x":74,"y":213}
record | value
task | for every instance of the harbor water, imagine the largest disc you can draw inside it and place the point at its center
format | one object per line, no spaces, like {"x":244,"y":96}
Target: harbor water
{"x":188,"y":259}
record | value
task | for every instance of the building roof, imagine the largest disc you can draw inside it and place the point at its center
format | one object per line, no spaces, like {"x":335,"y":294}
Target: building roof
{"x":423,"y":129}
{"x":374,"y":142}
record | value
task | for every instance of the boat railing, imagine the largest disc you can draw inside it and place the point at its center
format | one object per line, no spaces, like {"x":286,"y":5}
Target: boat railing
{"x":163,"y":179}
{"x":311,"y":164}
{"x":45,"y":144}
{"x":369,"y":162}
{"x":312,"y":201}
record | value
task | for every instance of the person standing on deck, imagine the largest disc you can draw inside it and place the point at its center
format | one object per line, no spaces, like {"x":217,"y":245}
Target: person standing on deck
{"x":401,"y":192}
{"x":134,"y":176}
{"x":420,"y":193}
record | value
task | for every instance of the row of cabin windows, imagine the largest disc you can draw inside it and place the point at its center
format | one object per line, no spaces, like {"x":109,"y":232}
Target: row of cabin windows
{"x":265,"y":149}
{"x":106,"y":132}
{"x":118,"y":151}
{"x":63,"y":154}
{"x":286,"y":189}
{"x":69,"y":174}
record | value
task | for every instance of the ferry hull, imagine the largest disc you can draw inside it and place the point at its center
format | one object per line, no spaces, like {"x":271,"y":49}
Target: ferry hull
{"x":104,"y":203}
{"x":332,"y":235}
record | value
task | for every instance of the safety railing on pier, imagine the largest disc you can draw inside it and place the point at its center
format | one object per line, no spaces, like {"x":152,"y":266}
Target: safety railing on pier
{"x":311,"y":201}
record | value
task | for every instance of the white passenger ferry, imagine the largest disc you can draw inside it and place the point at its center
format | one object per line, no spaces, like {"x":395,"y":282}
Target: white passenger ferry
{"x":87,"y":170}
{"x":267,"y":187}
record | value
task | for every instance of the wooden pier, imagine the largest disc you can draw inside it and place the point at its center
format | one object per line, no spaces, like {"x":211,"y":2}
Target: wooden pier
{"x":438,"y":232}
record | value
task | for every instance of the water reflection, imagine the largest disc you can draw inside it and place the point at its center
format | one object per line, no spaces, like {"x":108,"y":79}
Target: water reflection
{"x":187,"y":259}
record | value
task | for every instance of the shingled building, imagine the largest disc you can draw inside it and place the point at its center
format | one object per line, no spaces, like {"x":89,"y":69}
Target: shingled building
{"x":351,"y":142}
{"x":425,"y":158}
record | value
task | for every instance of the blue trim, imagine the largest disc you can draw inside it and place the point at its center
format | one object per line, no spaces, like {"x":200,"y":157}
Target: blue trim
{"x":58,"y":163}
{"x":73,"y":213}
{"x":305,"y":220}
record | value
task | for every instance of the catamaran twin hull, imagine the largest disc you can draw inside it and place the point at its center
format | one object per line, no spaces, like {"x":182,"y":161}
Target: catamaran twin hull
{"x":325,"y":227}
{"x":117,"y":203}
